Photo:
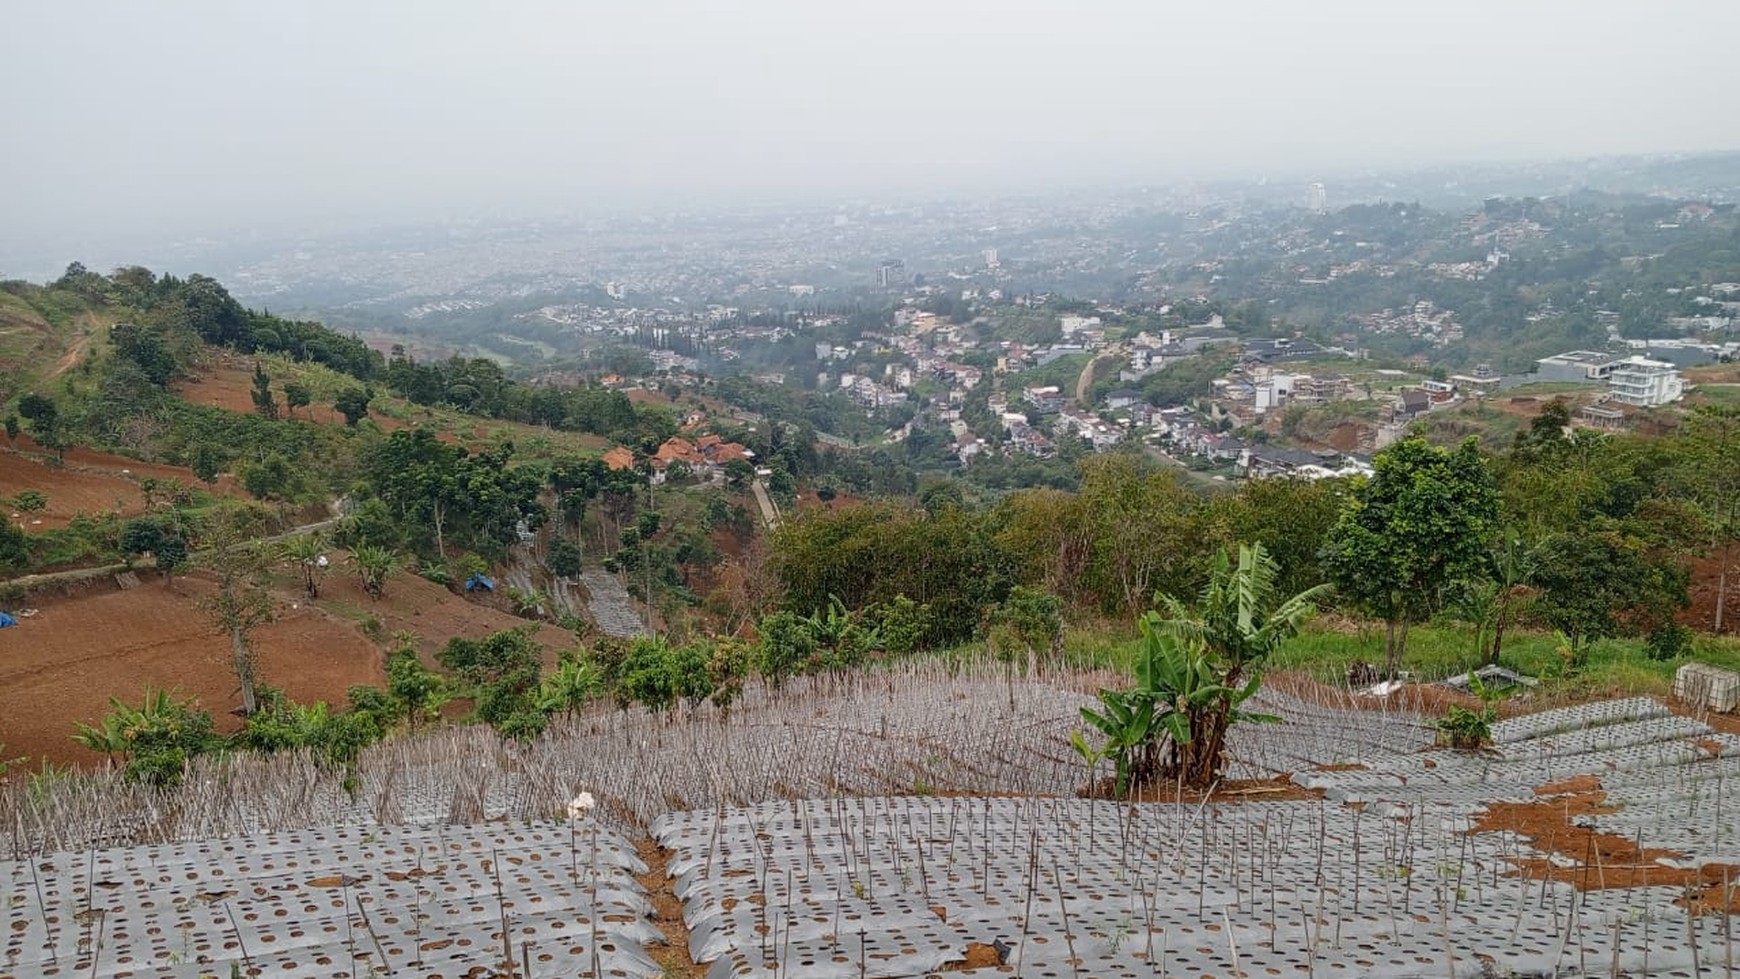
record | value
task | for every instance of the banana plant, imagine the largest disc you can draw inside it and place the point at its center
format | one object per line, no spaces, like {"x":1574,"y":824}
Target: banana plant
{"x":1178,"y":697}
{"x":1126,"y":719}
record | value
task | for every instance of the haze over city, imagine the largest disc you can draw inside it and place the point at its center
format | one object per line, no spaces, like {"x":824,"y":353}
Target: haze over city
{"x":206,"y":116}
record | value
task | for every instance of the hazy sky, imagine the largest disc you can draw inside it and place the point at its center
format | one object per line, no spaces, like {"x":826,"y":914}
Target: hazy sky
{"x":177,"y":116}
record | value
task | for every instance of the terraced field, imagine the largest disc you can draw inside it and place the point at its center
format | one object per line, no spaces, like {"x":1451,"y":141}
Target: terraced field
{"x":920,"y":822}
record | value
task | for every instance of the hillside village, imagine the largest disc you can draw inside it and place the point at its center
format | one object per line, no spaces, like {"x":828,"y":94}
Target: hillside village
{"x":1234,"y":423}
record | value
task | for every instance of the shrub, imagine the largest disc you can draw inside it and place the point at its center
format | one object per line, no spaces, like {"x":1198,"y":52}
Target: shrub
{"x":1668,"y":641}
{"x":1467,"y":729}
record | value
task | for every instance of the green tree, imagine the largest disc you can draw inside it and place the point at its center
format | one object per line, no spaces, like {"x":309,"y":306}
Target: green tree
{"x":902,"y":623}
{"x":14,"y":546}
{"x":155,"y":740}
{"x":272,"y":477}
{"x":12,"y":428}
{"x":230,"y":549}
{"x":45,"y":423}
{"x":658,"y":675}
{"x":296,"y":395}
{"x":353,"y":404}
{"x":145,"y":348}
{"x":1028,"y":623}
{"x":265,"y":405}
{"x":374,"y":565}
{"x":570,"y":686}
{"x":1241,"y":619}
{"x":418,"y":690}
{"x":502,"y":670}
{"x":206,"y":462}
{"x":564,"y":558}
{"x":1598,"y":583}
{"x":786,"y":646}
{"x":164,"y":542}
{"x":1418,"y":525}
{"x":30,"y":501}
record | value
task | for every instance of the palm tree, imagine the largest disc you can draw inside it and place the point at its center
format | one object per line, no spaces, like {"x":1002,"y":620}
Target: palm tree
{"x":1230,"y":634}
{"x":374,"y":564}
{"x":308,"y":551}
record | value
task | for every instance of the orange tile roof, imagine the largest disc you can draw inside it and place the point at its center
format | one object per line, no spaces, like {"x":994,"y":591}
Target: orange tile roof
{"x":619,"y":458}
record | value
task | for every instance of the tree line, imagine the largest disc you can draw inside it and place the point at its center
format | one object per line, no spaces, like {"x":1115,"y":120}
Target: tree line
{"x":1588,"y":534}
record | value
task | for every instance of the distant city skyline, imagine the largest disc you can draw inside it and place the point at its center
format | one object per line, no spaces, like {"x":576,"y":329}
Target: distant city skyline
{"x":204,"y":116}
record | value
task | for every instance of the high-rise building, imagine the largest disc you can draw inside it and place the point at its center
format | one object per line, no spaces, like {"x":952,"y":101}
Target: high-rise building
{"x":892,"y":273}
{"x":991,"y":258}
{"x":1316,"y":199}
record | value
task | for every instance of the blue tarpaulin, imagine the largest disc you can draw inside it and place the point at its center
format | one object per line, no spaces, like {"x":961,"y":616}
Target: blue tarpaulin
{"x":6,"y":620}
{"x":477,"y":581}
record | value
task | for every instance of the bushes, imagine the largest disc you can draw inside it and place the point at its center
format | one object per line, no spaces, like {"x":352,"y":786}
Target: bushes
{"x":282,"y":724}
{"x":155,"y":740}
{"x":502,"y":669}
{"x":657,"y":675}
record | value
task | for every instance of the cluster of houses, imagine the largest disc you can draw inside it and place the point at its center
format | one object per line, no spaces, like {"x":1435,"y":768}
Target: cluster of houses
{"x":705,"y":457}
{"x":1183,"y":435}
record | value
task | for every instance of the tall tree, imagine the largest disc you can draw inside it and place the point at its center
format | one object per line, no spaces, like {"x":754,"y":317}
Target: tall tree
{"x":206,"y":462}
{"x":1421,"y":522}
{"x":265,"y":405}
{"x":45,"y":422}
{"x":230,"y":548}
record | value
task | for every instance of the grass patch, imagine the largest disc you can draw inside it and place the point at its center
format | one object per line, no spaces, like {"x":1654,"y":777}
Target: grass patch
{"x":1436,"y":651}
{"x":1727,"y":395}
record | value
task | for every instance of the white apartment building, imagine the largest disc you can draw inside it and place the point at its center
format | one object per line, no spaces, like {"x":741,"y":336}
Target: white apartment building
{"x":1645,"y":383}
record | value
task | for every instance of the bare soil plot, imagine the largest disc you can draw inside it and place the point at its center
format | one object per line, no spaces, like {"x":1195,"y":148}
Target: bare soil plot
{"x":63,"y":664}
{"x":89,"y":482}
{"x":429,"y":611}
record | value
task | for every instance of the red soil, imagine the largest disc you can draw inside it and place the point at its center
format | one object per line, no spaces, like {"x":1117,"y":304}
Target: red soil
{"x":69,"y":492}
{"x":647,"y":396}
{"x":64,"y":663}
{"x":1706,"y":576}
{"x":232,"y":389}
{"x":1346,"y":437}
{"x":90,"y":482}
{"x":431,"y":613}
{"x":1591,"y":860}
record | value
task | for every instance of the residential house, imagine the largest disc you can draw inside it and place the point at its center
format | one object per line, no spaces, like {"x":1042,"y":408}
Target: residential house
{"x":1025,"y":438}
{"x":1046,"y":400}
{"x":1645,"y":383}
{"x":1123,"y":398}
{"x":1412,"y":404}
{"x":1602,"y":417}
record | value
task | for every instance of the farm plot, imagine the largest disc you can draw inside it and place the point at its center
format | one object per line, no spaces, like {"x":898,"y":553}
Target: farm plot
{"x":63,"y":664}
{"x":69,"y":492}
{"x":319,"y":904}
{"x":1413,"y":864}
{"x":914,"y":822}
